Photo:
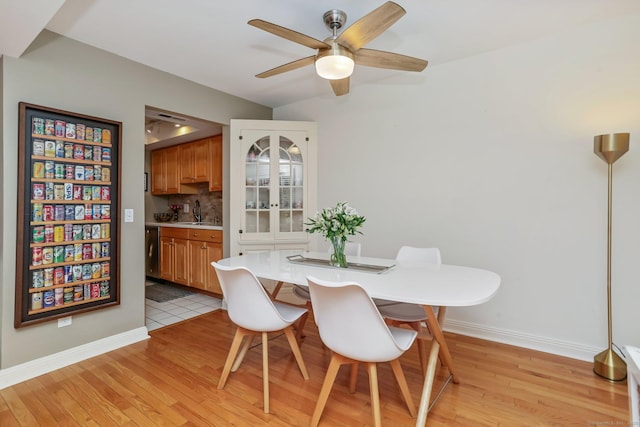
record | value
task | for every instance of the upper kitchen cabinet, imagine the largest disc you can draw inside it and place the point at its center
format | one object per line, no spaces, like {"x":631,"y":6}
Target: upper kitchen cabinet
{"x":215,"y":165}
{"x":195,"y":161}
{"x":177,"y":169}
{"x":165,"y":171}
{"x":273,"y":184}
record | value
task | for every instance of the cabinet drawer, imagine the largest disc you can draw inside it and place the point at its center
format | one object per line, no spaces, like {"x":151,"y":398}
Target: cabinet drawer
{"x":214,"y":236}
{"x":179,"y":233}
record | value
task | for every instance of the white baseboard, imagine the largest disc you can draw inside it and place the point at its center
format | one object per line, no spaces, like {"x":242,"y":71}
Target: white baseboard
{"x":33,"y":368}
{"x":519,"y":339}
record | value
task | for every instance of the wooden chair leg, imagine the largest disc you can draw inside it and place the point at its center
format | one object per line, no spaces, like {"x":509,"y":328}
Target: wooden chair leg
{"x":243,"y":351}
{"x":235,"y":345}
{"x":296,"y":351}
{"x":404,"y":388}
{"x":300,"y":326}
{"x":375,"y":395}
{"x":330,"y":377}
{"x":265,"y":371}
{"x":353,"y":378}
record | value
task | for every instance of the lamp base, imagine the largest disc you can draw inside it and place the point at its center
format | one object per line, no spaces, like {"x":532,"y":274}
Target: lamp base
{"x":609,"y":365}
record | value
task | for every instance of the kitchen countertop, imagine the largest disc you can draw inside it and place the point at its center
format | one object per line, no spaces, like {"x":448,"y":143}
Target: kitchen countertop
{"x":184,"y":225}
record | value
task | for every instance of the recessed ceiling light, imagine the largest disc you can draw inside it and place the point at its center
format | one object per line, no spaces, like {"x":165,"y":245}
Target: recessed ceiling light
{"x":177,"y":125}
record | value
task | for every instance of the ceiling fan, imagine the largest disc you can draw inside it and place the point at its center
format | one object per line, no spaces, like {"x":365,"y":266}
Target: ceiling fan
{"x":336,"y":56}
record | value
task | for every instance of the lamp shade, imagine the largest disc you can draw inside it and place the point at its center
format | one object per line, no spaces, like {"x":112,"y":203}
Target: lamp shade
{"x":334,"y":67}
{"x":334,"y":63}
{"x":611,"y":147}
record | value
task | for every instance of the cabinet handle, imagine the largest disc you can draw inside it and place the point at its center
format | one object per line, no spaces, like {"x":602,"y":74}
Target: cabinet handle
{"x":203,"y":246}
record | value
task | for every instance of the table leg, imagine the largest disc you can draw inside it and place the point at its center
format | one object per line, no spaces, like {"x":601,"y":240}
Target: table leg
{"x":276,"y":290}
{"x":438,"y":347}
{"x":428,"y":385}
{"x":438,"y":336}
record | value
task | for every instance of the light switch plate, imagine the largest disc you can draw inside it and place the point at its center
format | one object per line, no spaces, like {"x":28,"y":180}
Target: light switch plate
{"x":128,"y":215}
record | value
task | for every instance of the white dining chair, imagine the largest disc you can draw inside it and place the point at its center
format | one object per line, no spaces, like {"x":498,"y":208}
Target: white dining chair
{"x":350,"y":325}
{"x":413,"y":315}
{"x":302,"y":292}
{"x":254,"y":313}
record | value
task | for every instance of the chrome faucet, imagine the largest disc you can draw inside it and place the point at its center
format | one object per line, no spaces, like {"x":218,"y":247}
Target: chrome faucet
{"x":197,"y":213}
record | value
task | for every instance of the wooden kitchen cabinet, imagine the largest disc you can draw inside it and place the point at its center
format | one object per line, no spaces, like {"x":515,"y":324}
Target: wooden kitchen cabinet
{"x":186,"y":255}
{"x":186,"y":163}
{"x":204,"y":246}
{"x":165,"y":172}
{"x":215,"y":165}
{"x":174,"y":255}
{"x":201,"y":160}
{"x":176,"y":170}
{"x":194,"y":161}
{"x":158,"y":172}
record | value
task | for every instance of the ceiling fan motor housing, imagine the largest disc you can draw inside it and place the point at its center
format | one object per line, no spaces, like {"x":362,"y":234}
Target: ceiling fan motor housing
{"x":334,"y":19}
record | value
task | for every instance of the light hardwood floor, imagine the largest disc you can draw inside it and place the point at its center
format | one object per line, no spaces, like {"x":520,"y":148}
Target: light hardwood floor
{"x":171,"y":379}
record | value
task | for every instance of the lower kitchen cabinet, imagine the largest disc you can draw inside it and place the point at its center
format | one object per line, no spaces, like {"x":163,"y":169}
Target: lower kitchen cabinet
{"x":204,"y":246}
{"x":186,"y":255}
{"x":174,"y":255}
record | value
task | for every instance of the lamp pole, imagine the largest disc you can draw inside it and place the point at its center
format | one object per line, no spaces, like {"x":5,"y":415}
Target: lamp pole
{"x":610,"y":148}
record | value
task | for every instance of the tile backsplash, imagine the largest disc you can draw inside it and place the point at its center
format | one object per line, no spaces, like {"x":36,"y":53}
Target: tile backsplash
{"x":210,"y":204}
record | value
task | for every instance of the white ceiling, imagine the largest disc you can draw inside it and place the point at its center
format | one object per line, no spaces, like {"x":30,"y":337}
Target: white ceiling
{"x":209,"y":42}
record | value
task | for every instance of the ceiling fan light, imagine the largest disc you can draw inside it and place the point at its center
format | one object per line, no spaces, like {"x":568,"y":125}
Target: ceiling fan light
{"x":334,"y":67}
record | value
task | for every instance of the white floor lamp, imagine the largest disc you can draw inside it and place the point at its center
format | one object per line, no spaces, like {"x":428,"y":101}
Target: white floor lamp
{"x":610,"y":148}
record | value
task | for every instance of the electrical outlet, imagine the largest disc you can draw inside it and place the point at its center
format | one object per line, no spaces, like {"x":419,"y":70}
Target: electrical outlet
{"x":185,"y":208}
{"x":65,"y":321}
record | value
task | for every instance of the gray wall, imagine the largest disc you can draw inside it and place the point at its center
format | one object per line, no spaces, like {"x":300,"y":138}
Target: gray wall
{"x":491,"y":159}
{"x":60,"y":73}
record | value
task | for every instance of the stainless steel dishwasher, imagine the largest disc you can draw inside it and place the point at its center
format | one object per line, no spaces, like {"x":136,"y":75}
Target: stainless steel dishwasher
{"x":152,"y":255}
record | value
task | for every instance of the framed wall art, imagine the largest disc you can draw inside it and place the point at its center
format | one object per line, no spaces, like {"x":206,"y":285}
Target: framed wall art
{"x":68,"y":246}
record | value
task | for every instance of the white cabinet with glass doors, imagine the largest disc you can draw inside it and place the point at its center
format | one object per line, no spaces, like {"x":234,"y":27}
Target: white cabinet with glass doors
{"x":273,"y":184}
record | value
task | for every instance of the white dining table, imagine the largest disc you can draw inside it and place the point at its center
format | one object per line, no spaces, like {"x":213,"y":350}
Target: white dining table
{"x":430,"y":286}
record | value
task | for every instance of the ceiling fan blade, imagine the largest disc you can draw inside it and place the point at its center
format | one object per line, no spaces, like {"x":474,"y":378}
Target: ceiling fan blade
{"x":340,"y":87}
{"x":370,"y":26}
{"x":390,"y":60}
{"x":288,"y":34}
{"x":294,"y":65}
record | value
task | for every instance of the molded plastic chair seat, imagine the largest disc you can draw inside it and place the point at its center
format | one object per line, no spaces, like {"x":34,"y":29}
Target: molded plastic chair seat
{"x":252,"y":311}
{"x":350,"y":325}
{"x":403,"y":312}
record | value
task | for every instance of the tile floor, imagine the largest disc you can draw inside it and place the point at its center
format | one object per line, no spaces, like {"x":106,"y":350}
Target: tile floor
{"x":160,"y":314}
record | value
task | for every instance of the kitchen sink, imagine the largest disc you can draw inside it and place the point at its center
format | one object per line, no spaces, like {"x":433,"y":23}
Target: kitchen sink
{"x":196,"y":223}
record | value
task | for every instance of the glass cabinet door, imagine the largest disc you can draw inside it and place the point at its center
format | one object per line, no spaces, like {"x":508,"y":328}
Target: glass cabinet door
{"x":257,"y":191}
{"x":274,"y":179}
{"x":291,"y":180}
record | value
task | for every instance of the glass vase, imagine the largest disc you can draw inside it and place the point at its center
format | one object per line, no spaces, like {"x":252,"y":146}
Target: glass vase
{"x":338,"y":258}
